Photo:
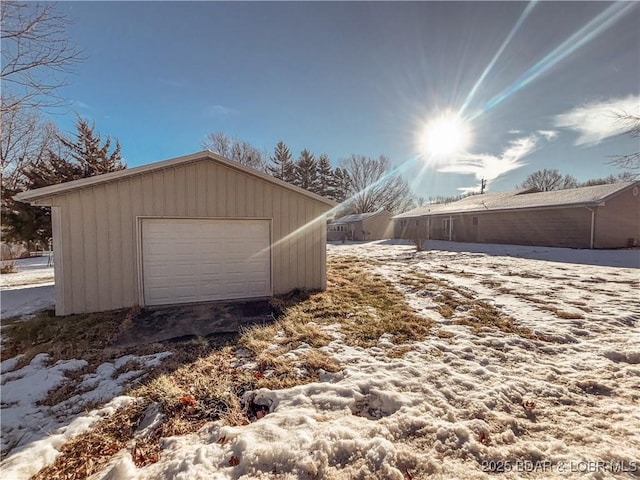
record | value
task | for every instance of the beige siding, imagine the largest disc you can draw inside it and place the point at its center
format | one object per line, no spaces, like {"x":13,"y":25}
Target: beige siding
{"x":377,"y":227}
{"x":617,"y":223}
{"x":99,"y":229}
{"x":555,"y":227}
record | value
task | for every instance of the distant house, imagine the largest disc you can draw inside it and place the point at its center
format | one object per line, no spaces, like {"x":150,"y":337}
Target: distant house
{"x":601,"y":216}
{"x":198,"y":228}
{"x":361,"y":227}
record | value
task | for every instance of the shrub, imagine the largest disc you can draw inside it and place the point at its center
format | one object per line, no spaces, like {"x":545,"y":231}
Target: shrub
{"x":8,"y":267}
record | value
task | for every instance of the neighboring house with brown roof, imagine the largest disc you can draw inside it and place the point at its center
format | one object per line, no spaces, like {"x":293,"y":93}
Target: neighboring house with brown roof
{"x":361,"y":227}
{"x":600,"y":216}
{"x":196,"y":228}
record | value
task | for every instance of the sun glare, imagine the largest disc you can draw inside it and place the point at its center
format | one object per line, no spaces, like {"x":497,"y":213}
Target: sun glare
{"x":446,"y":135}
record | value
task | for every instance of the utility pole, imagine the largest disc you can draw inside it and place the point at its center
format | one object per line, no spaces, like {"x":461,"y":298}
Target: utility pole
{"x":483,"y":186}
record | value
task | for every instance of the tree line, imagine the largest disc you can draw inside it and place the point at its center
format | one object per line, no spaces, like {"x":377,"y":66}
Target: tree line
{"x":360,"y":184}
{"x":549,"y":179}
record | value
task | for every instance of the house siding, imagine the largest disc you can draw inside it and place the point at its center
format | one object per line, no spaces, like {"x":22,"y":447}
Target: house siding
{"x":98,"y":229}
{"x":377,"y":227}
{"x":617,"y":224}
{"x":557,"y":227}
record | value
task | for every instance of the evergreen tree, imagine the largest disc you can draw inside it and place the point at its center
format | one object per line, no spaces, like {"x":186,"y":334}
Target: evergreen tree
{"x":342,"y":185}
{"x":306,"y":171}
{"x":326,"y":183}
{"x":87,"y":152}
{"x":80,"y":158}
{"x":23,"y":222}
{"x":282,"y":166}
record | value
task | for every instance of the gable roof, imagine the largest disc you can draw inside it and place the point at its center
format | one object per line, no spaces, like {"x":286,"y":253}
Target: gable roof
{"x":32,"y":196}
{"x":523,"y":199}
{"x":358,"y":217}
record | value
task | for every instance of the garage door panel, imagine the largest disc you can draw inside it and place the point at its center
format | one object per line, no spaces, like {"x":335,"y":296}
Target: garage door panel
{"x":195,"y":260}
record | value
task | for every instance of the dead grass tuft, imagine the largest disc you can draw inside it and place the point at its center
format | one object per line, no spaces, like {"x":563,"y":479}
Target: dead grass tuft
{"x":399,"y":352}
{"x":462,"y":308}
{"x":89,"y":452}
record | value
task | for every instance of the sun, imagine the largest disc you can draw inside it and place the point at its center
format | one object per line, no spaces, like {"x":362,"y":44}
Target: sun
{"x":446,"y":135}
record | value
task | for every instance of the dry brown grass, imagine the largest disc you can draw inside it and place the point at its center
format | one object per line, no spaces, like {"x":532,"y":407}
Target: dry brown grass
{"x":201,"y":381}
{"x":462,"y":308}
{"x":89,"y":452}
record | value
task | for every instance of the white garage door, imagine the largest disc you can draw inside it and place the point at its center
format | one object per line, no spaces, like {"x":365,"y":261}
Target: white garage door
{"x":198,"y":260}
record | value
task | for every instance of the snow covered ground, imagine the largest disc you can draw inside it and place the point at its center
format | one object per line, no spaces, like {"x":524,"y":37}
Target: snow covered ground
{"x":29,"y":289}
{"x":34,"y":432}
{"x":563,"y":403}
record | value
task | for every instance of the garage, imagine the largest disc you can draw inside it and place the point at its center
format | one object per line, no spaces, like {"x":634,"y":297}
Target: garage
{"x":197,"y":228}
{"x":200,"y":260}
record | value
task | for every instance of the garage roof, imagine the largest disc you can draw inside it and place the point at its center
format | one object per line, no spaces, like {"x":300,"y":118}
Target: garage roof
{"x":357,"y":217}
{"x":523,"y":199}
{"x":34,"y":195}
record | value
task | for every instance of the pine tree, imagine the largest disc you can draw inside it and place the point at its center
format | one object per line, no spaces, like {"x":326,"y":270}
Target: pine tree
{"x":342,"y":185}
{"x":24,"y":222}
{"x":79,"y":158}
{"x":282,"y":166}
{"x":85,"y":149}
{"x":326,"y":182}
{"x":306,"y":171}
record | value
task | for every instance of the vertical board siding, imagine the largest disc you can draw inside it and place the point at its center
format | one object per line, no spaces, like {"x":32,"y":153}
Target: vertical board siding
{"x":114,"y":251}
{"x":103,"y":246}
{"x":90,"y":249}
{"x":128,"y":196}
{"x":159,"y":192}
{"x":99,"y":232}
{"x":76,"y":259}
{"x":201,"y":190}
{"x":212,"y":187}
{"x":169,"y":191}
{"x":221,"y":194}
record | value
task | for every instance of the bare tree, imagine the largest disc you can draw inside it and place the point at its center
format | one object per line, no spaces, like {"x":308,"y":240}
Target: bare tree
{"x":373,"y":184}
{"x":25,"y":138}
{"x":236,"y":150}
{"x":219,"y":143}
{"x":549,"y":179}
{"x":36,"y":54}
{"x":631,"y":124}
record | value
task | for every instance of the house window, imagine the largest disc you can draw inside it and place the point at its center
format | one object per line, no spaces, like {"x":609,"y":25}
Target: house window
{"x":417,"y":222}
{"x":403,"y":222}
{"x":474,"y":221}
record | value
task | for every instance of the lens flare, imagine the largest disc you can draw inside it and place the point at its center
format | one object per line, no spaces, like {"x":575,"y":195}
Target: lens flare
{"x":445,"y":136}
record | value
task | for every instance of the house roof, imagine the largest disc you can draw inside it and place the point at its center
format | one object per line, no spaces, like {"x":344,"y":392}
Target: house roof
{"x":523,"y":199}
{"x":33,"y":196}
{"x":358,"y":217}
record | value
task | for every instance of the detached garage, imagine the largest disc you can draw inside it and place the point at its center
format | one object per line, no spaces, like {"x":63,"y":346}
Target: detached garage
{"x":197,"y":228}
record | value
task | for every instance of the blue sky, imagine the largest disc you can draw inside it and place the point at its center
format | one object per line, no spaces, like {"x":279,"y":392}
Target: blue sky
{"x":342,"y":78}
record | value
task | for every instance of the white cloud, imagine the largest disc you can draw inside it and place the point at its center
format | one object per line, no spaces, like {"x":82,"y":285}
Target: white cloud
{"x":548,"y":134}
{"x":491,"y":167}
{"x":218,"y":110}
{"x":81,"y":104}
{"x":596,"y":121}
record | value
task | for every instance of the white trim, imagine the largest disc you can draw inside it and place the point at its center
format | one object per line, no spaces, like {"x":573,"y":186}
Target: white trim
{"x":58,"y":263}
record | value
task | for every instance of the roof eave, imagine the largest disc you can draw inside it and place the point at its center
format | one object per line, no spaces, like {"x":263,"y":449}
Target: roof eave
{"x":37,"y":195}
